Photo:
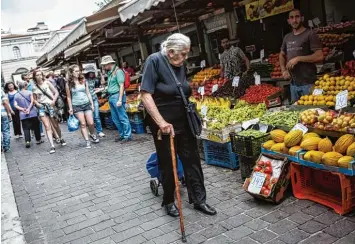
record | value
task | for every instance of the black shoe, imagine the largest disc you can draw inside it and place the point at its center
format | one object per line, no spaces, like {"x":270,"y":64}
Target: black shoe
{"x":172,"y":210}
{"x":119,"y":139}
{"x":125,"y":140}
{"x":205,"y":208}
{"x":28,"y":144}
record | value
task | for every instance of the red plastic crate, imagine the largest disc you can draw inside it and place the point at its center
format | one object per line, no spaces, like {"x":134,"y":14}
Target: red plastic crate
{"x":334,"y":190}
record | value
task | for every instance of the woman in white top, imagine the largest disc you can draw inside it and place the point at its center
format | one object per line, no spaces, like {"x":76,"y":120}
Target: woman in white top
{"x":80,"y":103}
{"x":45,"y":95}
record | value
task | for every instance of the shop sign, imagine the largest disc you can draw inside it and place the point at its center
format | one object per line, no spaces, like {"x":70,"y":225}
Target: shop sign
{"x":250,"y":49}
{"x":216,"y":23}
{"x":266,"y":8}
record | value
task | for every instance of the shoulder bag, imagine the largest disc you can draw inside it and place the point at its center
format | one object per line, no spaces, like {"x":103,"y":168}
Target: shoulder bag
{"x":193,"y":118}
{"x":59,"y":103}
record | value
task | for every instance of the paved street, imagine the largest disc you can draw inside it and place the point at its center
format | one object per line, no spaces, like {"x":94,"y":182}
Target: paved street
{"x":102,"y":196}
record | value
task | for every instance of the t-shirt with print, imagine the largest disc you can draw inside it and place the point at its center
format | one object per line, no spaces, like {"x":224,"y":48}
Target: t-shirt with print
{"x":158,"y":81}
{"x":232,"y":61}
{"x":92,"y":84}
{"x":303,"y":44}
{"x":3,"y":99}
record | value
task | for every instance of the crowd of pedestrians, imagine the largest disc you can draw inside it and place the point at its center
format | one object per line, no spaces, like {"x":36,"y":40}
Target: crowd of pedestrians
{"x":40,"y":102}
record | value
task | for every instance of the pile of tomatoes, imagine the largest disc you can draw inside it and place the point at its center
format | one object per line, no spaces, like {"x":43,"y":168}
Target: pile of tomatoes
{"x":266,"y":168}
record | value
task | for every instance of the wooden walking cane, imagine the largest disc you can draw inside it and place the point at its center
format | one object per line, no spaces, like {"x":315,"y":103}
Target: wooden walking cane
{"x":177,"y":186}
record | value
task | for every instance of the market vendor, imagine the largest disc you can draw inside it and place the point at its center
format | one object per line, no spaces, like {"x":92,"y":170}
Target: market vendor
{"x":232,"y":60}
{"x":302,"y":49}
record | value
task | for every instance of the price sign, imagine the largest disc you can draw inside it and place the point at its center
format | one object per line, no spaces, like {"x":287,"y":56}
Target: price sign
{"x":214,"y":88}
{"x":139,"y":88}
{"x":317,"y":91}
{"x":316,"y":21}
{"x":263,"y":128}
{"x":341,"y":100}
{"x":236,"y":81}
{"x":256,"y":183}
{"x":203,"y":64}
{"x":248,"y":123}
{"x":301,"y":127}
{"x":257,"y":80}
{"x":204,"y":110}
{"x":310,"y":23}
{"x":262,"y":54}
{"x":201,"y":90}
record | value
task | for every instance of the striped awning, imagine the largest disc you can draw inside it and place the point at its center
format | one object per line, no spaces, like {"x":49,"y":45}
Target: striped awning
{"x":134,"y":7}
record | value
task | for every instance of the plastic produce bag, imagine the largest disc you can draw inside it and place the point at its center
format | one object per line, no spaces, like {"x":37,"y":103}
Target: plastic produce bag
{"x":73,"y":123}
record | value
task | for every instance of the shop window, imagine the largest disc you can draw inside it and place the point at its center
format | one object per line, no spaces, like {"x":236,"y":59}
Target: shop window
{"x":17,"y":52}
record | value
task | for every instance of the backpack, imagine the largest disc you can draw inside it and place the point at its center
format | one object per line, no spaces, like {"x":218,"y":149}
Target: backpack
{"x":127,"y":79}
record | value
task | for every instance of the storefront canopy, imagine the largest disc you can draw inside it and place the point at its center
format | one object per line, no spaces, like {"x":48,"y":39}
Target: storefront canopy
{"x":83,"y":44}
{"x":134,"y":7}
{"x":84,"y":27}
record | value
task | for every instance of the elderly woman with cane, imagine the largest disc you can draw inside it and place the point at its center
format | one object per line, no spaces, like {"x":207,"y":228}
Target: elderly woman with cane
{"x":167,"y":114}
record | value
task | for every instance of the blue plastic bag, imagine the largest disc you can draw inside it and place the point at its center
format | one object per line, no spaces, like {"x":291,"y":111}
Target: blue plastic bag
{"x":73,"y":123}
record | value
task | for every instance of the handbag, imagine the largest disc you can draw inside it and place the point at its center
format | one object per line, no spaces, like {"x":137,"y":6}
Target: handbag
{"x":193,"y":118}
{"x":59,"y":103}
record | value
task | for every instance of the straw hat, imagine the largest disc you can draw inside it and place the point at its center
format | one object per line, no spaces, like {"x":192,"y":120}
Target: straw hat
{"x":107,"y":60}
{"x":88,"y":69}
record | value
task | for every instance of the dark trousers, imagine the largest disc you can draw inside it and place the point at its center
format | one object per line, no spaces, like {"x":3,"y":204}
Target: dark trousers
{"x":16,"y":122}
{"x":186,"y":148}
{"x":31,"y":124}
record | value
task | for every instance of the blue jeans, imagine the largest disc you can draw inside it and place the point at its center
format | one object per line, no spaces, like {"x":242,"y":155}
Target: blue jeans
{"x":97,"y":116}
{"x":298,"y":91}
{"x":119,"y":116}
{"x":5,"y":133}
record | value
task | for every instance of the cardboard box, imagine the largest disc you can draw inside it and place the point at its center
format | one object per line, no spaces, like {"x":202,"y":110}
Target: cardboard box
{"x":277,"y":192}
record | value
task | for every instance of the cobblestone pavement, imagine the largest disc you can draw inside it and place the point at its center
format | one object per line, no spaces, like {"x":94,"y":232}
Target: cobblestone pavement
{"x":103,"y":196}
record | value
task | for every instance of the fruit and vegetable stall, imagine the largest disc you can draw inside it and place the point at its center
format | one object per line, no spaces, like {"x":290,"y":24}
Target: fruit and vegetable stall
{"x":308,"y":146}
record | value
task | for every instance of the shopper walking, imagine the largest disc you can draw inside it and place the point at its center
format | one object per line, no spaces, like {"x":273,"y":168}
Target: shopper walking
{"x":11,"y":90}
{"x":60,"y":83}
{"x":45,"y":101}
{"x":24,"y":103}
{"x":93,"y":84}
{"x":80,"y":103}
{"x":303,"y":49}
{"x":117,"y":98}
{"x":5,"y":123}
{"x":162,"y":100}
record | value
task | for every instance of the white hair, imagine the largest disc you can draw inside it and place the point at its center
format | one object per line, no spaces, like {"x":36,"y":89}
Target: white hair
{"x":21,"y":84}
{"x":176,"y":42}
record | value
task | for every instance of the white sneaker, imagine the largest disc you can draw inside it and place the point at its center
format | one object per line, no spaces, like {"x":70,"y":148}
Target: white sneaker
{"x":17,"y":137}
{"x":101,"y":134}
{"x":43,"y":135}
{"x":20,"y":136}
{"x":88,"y":144}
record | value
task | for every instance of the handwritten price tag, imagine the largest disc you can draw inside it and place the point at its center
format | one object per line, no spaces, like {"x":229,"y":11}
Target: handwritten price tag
{"x":204,"y":110}
{"x":256,"y":183}
{"x":214,"y":88}
{"x":201,"y":90}
{"x":203,"y":64}
{"x":341,"y":100}
{"x":317,"y":92}
{"x":263,"y":128}
{"x":236,"y":81}
{"x":301,"y":127}
{"x":257,"y":79}
{"x":139,"y":88}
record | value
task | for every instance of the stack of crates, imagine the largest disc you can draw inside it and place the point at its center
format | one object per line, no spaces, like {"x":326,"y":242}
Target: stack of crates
{"x":220,"y":154}
{"x":332,"y":189}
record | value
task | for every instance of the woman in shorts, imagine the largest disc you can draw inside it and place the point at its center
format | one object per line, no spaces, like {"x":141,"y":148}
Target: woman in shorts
{"x":45,"y":95}
{"x":80,"y":103}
